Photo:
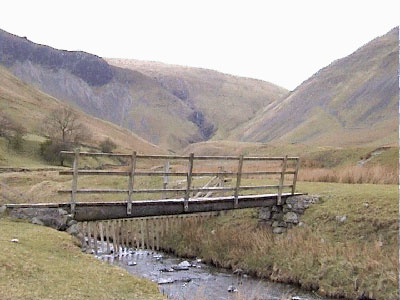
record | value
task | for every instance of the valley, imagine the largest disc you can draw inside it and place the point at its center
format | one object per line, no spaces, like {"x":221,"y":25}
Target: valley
{"x":342,"y":122}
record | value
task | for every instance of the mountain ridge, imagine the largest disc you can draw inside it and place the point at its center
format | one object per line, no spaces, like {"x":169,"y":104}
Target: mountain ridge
{"x":130,"y":98}
{"x":199,"y":87}
{"x":338,"y":104}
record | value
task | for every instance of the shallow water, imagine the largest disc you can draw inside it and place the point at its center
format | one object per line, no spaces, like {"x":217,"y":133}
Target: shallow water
{"x":200,"y":281}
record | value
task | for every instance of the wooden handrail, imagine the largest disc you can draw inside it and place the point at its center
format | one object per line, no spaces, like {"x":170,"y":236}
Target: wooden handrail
{"x":179,"y":156}
{"x":200,"y":189}
{"x":132,"y":173}
{"x":161,"y":173}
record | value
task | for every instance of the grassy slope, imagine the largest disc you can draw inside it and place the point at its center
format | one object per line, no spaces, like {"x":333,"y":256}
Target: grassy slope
{"x":353,"y":101}
{"x":46,"y":264}
{"x":317,"y":156}
{"x":209,"y":91}
{"x":157,"y":115}
{"x":338,"y":259}
{"x":28,"y":106}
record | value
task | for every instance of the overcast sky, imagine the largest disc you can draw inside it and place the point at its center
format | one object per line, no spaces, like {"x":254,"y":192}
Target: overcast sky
{"x":283,"y":42}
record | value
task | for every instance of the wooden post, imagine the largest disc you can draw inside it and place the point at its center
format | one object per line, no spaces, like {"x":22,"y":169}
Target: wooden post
{"x":117,"y":238}
{"x":189,"y":183}
{"x":157,"y":221}
{"x":101,"y":236}
{"x":147,"y":234}
{"x":133,"y":233}
{"x":130,"y":233}
{"x":295,"y":176}
{"x":153,"y":231}
{"x":165,"y":178}
{"x":108,"y":237}
{"x":136,"y":225}
{"x":126,"y":233}
{"x":75,"y":167}
{"x":238,"y":180}
{"x":95,"y":237}
{"x":114,"y":236}
{"x":131,"y":182}
{"x":120,"y":235}
{"x":281,"y":181}
{"x":220,"y":176}
{"x":89,"y":236}
{"x":142,"y":232}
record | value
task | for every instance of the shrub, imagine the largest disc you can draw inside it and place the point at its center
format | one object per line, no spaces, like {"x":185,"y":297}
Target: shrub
{"x":107,"y":146}
{"x":16,"y":141}
{"x":50,"y":150}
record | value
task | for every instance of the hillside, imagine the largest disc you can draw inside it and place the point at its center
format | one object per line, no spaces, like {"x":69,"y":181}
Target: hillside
{"x":221,"y":101}
{"x":28,"y":107}
{"x":353,"y":101}
{"x":170,"y":111}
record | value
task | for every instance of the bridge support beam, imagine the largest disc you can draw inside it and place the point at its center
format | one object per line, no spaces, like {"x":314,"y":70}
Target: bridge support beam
{"x":92,"y":211}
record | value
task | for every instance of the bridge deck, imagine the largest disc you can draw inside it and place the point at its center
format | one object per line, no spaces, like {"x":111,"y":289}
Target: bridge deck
{"x":91,"y":211}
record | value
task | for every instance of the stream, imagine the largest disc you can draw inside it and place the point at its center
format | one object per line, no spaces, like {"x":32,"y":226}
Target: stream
{"x":192,"y":279}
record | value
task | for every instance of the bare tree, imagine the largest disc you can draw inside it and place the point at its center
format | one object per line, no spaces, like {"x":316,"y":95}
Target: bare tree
{"x":63,"y":124}
{"x":60,"y":124}
{"x":64,"y":130}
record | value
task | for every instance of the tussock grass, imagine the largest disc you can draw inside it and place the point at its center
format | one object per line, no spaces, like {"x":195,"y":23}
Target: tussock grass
{"x":349,"y":259}
{"x":300,"y":257}
{"x":46,"y":264}
{"x":351,"y":174}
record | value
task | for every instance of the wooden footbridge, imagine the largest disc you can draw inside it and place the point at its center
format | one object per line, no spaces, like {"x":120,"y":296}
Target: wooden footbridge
{"x":193,"y":199}
{"x":139,"y":223}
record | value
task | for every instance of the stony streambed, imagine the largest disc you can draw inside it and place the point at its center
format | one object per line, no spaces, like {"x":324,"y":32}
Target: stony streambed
{"x":192,"y":279}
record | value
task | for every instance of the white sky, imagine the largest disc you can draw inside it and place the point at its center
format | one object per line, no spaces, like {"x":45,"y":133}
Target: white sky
{"x":283,"y":42}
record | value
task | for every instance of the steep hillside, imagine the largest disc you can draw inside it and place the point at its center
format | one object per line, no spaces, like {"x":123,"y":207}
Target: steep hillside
{"x":28,"y":107}
{"x":170,"y":111}
{"x":127,"y":98}
{"x":220,"y":101}
{"x":352,"y":101}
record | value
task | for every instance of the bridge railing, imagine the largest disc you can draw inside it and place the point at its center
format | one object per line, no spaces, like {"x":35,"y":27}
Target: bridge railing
{"x":189,"y":174}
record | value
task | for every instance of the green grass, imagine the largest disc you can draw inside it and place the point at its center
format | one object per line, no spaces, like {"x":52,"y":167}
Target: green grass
{"x":387,"y":158}
{"x":27,"y":157}
{"x":377,"y":221}
{"x":47,"y":264}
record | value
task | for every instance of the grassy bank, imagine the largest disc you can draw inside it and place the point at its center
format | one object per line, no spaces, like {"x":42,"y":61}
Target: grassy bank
{"x":349,"y":259}
{"x":46,"y":264}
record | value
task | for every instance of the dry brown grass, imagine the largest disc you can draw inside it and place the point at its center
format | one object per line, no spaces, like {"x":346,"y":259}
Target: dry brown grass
{"x":352,"y":174}
{"x":348,"y":269}
{"x":350,"y":258}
